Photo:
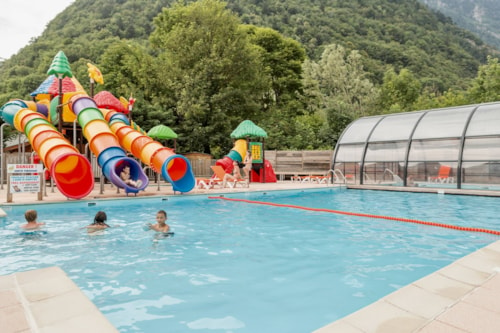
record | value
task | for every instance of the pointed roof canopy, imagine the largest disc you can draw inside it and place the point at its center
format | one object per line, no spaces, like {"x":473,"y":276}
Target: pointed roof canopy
{"x":247,"y":128}
{"x":60,"y":66}
{"x":105,"y":99}
{"x":162,"y":132}
{"x":50,"y":86}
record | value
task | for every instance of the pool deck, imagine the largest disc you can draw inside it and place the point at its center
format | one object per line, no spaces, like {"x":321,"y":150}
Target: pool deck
{"x":461,"y":297}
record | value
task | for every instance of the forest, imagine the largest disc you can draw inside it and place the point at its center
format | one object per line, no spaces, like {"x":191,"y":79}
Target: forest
{"x":301,"y":70}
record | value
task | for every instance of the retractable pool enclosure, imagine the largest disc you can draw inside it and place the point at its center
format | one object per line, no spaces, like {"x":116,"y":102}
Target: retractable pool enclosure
{"x":455,"y":147}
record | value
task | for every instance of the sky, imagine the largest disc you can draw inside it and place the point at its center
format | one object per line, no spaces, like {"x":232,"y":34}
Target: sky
{"x":22,"y":20}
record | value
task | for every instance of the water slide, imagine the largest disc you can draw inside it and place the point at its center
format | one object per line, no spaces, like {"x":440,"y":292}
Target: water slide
{"x":238,"y":153}
{"x":174,"y":168}
{"x":103,"y":143}
{"x":71,"y":171}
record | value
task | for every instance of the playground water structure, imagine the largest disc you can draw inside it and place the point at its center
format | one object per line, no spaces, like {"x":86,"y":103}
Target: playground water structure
{"x":237,"y":153}
{"x":174,"y":168}
{"x":233,"y":267}
{"x":70,"y":170}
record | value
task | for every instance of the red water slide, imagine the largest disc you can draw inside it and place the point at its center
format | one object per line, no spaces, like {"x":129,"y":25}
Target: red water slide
{"x":71,"y":171}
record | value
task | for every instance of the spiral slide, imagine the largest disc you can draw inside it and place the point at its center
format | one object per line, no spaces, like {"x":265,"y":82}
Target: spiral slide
{"x":238,"y":154}
{"x":174,"y":168}
{"x":71,"y":171}
{"x":103,"y":143}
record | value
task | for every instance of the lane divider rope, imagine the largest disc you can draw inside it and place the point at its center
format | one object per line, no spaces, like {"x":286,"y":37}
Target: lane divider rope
{"x":401,"y":219}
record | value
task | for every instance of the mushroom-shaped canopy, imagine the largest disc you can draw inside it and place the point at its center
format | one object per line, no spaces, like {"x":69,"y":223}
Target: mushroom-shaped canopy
{"x":162,"y":132}
{"x":247,"y":128}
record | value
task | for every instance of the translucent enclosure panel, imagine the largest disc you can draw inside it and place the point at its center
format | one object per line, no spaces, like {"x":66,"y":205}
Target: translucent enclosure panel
{"x":386,"y":151}
{"x":349,"y":153}
{"x":485,"y":121}
{"x":443,"y":124}
{"x":384,"y":173}
{"x":347,"y":172}
{"x":432,"y":174}
{"x":358,"y":131}
{"x":481,"y":174}
{"x":395,"y":127}
{"x":482,"y":149}
{"x":434,"y":150}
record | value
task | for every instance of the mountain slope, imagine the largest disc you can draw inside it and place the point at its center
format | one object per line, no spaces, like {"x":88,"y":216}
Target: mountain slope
{"x":387,"y":32}
{"x":479,"y":16}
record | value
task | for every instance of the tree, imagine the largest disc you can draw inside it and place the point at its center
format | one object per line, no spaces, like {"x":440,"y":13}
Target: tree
{"x":338,"y":88}
{"x":486,"y":86}
{"x":399,"y":91}
{"x":211,"y":68}
{"x":283,"y":102}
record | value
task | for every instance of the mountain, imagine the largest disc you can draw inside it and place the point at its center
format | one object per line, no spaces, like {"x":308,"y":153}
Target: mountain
{"x":481,"y":17}
{"x":402,"y":34}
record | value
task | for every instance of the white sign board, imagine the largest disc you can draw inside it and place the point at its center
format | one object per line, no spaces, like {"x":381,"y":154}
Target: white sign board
{"x":25,"y":183}
{"x":24,"y":168}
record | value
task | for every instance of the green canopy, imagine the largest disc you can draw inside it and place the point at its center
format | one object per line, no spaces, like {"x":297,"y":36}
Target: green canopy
{"x":162,"y":132}
{"x":60,"y":66}
{"x":248,"y":129}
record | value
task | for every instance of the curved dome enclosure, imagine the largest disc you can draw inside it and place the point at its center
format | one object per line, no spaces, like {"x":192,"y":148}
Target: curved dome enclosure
{"x":455,"y":147}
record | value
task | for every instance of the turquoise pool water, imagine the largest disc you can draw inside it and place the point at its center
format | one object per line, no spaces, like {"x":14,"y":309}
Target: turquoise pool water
{"x":239,"y":267}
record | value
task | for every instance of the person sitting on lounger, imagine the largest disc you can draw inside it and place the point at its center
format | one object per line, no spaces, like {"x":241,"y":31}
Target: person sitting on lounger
{"x":248,"y":165}
{"x":125,"y":176}
{"x":232,"y":177}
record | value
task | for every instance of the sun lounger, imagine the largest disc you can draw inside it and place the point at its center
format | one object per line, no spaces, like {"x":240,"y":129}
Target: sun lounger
{"x":220,"y":173}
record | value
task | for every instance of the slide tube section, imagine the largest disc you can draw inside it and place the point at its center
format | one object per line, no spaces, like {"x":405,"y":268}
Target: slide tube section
{"x":104,"y":144}
{"x":71,"y":171}
{"x":174,"y":168}
{"x":238,"y":154}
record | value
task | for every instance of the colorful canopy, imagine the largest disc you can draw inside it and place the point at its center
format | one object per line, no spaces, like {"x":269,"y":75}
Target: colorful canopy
{"x":51,"y":86}
{"x":60,"y":66}
{"x":247,"y":128}
{"x":106,"y":100}
{"x":162,"y":132}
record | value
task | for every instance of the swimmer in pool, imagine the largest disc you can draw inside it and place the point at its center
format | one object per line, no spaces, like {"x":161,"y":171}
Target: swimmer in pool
{"x":31,"y":215}
{"x":161,"y":225}
{"x":99,"y":222}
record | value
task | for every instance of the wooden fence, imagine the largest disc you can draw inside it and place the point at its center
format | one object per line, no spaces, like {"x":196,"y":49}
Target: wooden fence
{"x":287,"y":163}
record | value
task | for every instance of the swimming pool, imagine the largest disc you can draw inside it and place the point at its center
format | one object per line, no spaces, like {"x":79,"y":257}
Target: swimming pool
{"x":240,"y":267}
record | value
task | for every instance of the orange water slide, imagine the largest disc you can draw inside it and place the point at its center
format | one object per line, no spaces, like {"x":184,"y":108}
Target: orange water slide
{"x":71,"y":171}
{"x":104,"y":144}
{"x":174,"y":168}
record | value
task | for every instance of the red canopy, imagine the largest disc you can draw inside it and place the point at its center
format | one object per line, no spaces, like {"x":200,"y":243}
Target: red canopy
{"x":106,"y":100}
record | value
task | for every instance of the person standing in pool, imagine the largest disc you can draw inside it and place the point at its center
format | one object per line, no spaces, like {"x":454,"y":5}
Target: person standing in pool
{"x":161,"y":225}
{"x":99,"y":222}
{"x":31,"y":215}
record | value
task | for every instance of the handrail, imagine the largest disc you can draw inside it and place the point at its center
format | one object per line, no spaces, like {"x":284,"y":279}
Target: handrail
{"x":337,"y":176}
{"x":395,"y":178}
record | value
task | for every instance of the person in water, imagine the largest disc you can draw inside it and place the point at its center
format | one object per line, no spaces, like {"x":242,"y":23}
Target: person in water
{"x":125,"y":176}
{"x":99,"y":222}
{"x":161,"y":225}
{"x":31,"y":223}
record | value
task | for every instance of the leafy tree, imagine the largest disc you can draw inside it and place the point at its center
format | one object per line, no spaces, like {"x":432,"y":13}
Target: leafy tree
{"x":282,"y":60}
{"x":486,"y":86}
{"x":211,"y":68}
{"x":433,"y":100}
{"x":338,"y":88}
{"x":399,"y":91}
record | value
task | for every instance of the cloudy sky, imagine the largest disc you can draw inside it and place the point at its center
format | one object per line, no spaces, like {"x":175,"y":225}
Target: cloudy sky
{"x":22,"y":20}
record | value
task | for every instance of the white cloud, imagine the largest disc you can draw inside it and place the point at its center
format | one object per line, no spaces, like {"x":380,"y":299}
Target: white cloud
{"x":22,"y":20}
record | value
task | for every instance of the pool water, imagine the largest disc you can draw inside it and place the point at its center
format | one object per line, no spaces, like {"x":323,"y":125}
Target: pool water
{"x":242,"y":267}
